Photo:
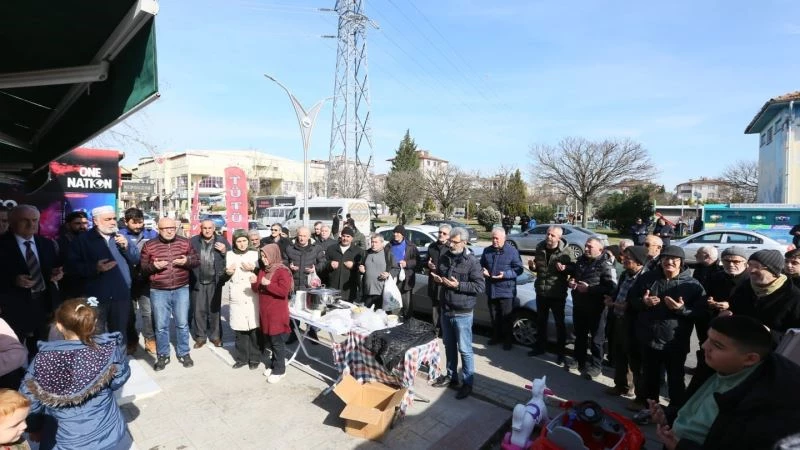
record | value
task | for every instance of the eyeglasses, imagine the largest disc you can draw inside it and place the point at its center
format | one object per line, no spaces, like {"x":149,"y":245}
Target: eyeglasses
{"x":455,"y":242}
{"x":167,"y":228}
{"x":276,"y":229}
{"x":444,"y":233}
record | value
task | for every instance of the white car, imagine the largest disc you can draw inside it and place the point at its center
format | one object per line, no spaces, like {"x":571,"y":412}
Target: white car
{"x":722,"y":238}
{"x":149,"y":222}
{"x":262,"y":229}
{"x":421,"y":236}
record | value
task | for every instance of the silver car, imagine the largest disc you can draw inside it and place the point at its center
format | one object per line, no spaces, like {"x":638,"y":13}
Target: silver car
{"x":524,"y":313}
{"x":574,"y":235}
{"x":722,"y":238}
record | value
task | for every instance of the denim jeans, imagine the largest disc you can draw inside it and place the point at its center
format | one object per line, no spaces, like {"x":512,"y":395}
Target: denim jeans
{"x":173,"y":303}
{"x":457,"y":336}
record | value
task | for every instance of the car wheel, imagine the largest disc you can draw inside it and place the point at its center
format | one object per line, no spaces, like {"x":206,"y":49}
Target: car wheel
{"x":575,"y":250}
{"x":524,"y":327}
{"x":513,"y":244}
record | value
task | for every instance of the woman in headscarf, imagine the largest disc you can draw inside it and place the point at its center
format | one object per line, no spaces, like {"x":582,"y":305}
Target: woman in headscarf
{"x":274,"y":284}
{"x":240,"y":265}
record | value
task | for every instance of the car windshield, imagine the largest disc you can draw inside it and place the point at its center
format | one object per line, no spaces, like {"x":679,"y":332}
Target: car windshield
{"x":584,"y":230}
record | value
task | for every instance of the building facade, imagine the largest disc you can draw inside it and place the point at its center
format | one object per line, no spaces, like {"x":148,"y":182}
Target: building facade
{"x":174,"y":176}
{"x":778,"y":127}
{"x":703,"y":189}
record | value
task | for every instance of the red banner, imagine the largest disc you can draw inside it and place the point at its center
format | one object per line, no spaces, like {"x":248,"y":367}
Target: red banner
{"x":235,"y":200}
{"x":194,"y":229}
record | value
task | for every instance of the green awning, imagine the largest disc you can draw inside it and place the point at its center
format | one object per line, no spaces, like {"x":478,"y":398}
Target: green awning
{"x":70,"y":70}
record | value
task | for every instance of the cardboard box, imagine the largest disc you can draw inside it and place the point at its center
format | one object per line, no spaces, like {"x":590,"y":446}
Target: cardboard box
{"x":369,"y":407}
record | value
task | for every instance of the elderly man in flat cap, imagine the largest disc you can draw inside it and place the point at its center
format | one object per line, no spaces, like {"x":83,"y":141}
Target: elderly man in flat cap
{"x":103,"y":258}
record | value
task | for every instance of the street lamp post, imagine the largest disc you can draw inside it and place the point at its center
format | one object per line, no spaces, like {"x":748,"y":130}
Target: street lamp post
{"x":306,"y":121}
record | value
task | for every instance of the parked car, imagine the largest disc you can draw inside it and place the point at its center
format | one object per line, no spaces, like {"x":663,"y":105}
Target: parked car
{"x":149,"y":222}
{"x":575,"y":236}
{"x":218,"y":219}
{"x":422,"y":236}
{"x":473,"y":234}
{"x":524,"y":312}
{"x":263,"y":230}
{"x":722,"y":238}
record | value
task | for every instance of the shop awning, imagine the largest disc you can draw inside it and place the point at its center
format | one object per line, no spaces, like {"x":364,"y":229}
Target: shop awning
{"x":69,"y":71}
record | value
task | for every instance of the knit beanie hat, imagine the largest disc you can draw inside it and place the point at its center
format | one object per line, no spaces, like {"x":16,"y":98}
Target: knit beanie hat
{"x":674,"y":251}
{"x":638,"y":253}
{"x":772,"y":260}
{"x":734,"y":251}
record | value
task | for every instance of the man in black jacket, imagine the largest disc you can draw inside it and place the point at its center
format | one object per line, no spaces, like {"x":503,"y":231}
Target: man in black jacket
{"x":30,"y":269}
{"x":406,"y":257}
{"x":206,"y":284}
{"x":342,"y":261}
{"x":304,"y":259}
{"x":749,"y":403}
{"x":435,"y":250}
{"x":552,"y":263}
{"x":594,"y":277}
{"x":638,"y":232}
{"x":769,"y":296}
{"x":665,"y":301}
{"x":461,"y":279}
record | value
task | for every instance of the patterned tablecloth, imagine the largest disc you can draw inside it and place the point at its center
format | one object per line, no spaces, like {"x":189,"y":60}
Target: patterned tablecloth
{"x":351,"y":355}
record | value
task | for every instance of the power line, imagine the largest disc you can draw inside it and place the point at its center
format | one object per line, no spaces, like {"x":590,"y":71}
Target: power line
{"x":436,"y":47}
{"x":454,"y":50}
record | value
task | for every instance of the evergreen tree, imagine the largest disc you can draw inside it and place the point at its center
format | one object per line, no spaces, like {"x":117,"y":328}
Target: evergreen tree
{"x":517,"y":194}
{"x":406,"y":157}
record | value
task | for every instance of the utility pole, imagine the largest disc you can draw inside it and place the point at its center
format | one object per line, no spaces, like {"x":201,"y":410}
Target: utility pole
{"x":351,"y":134}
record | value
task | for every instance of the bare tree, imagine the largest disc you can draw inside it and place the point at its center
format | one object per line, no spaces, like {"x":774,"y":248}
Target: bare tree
{"x":583,"y":169}
{"x":348,"y":179}
{"x":402,"y":192}
{"x":447,"y":186}
{"x":742,"y":180}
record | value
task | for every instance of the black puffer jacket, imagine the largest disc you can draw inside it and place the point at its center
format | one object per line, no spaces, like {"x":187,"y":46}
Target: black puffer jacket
{"x":305,"y":257}
{"x":549,"y":281}
{"x":599,"y":274}
{"x":659,"y":327}
{"x":779,"y":311}
{"x":466,"y":269}
{"x":390,"y":345}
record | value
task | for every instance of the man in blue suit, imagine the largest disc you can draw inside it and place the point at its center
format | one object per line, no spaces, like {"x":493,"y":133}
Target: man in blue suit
{"x":103,"y":259}
{"x":29,"y":272}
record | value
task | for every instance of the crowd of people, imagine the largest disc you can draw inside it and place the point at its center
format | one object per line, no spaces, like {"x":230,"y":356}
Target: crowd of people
{"x":85,"y":297}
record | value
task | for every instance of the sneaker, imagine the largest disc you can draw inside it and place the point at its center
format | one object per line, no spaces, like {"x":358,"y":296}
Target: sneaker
{"x":150,"y":346}
{"x":642,"y":417}
{"x":161,"y":362}
{"x":267,"y":372}
{"x":186,"y":360}
{"x":272,"y":379}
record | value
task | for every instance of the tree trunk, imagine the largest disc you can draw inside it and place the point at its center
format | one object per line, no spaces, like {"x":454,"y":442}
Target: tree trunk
{"x":585,"y":215}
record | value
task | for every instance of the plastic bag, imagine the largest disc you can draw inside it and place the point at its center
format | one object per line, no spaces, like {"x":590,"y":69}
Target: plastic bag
{"x":392,"y":299}
{"x":402,"y":276}
{"x":313,"y":280}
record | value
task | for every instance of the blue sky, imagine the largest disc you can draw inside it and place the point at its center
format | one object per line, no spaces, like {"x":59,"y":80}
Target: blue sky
{"x":479,"y":82}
